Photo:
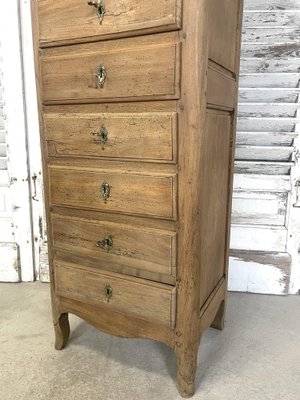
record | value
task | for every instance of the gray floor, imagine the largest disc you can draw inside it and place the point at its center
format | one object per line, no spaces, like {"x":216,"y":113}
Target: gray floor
{"x":256,"y":357}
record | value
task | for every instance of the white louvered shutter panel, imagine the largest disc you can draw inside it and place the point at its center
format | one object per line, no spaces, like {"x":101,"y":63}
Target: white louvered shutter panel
{"x":267,"y":128}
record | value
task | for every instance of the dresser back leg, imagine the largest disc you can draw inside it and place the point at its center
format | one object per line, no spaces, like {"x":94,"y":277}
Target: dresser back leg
{"x":219,"y":321}
{"x":62,"y":331}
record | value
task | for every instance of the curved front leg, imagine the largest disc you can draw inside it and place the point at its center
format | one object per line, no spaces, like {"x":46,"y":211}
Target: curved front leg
{"x":62,"y":331}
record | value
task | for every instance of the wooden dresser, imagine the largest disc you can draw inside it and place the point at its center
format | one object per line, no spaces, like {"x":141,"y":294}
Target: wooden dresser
{"x":138,"y":112}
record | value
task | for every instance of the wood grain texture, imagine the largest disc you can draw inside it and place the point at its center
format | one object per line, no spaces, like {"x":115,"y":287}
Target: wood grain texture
{"x":75,"y":21}
{"x":140,"y":298}
{"x":146,"y":136}
{"x":129,"y":193}
{"x":147,"y":249}
{"x":170,"y":201}
{"x":136,"y":69}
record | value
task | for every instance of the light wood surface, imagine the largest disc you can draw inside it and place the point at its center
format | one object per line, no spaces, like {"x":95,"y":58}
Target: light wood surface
{"x":148,"y":136}
{"x":129,"y":193}
{"x":74,"y":20}
{"x":142,"y":299}
{"x":136,"y":69}
{"x":169,"y":107}
{"x":144,"y":248}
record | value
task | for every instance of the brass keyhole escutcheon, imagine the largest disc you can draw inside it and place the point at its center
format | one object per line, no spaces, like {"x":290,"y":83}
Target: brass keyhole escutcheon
{"x":101,"y":75}
{"x":106,"y":243}
{"x":108,"y":292}
{"x":102,"y":135}
{"x":105,"y":191}
{"x":100,"y":8}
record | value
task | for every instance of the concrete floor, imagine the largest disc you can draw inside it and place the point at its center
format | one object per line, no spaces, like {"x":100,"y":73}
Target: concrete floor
{"x":256,"y":357}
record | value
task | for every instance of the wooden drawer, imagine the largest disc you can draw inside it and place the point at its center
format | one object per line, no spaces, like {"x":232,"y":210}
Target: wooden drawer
{"x":148,"y":136}
{"x":74,"y":20}
{"x":132,"y":250}
{"x":141,"y":298}
{"x":137,"y":68}
{"x":129,"y":193}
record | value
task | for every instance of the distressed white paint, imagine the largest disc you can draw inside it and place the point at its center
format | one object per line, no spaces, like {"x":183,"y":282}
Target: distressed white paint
{"x":16,"y":135}
{"x":279,"y":80}
{"x":9,"y":262}
{"x":259,"y":208}
{"x":267,"y":110}
{"x":264,"y":153}
{"x":293,"y":244}
{"x":263,"y":167}
{"x":266,"y":139}
{"x":267,"y":129}
{"x":262,"y":183}
{"x":258,"y":238}
{"x":33,"y":139}
{"x":254,"y":277}
{"x":271,"y":95}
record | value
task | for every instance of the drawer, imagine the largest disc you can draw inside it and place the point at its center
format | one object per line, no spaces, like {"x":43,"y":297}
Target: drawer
{"x":133,"y":250}
{"x":126,"y":69}
{"x":141,"y":298}
{"x":75,"y":20}
{"x":114,"y":191}
{"x":145,"y":136}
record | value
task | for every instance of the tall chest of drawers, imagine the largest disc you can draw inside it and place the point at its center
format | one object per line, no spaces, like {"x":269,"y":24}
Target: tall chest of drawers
{"x":137,"y":105}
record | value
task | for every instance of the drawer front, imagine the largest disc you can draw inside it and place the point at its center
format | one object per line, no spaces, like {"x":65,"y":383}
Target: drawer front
{"x":75,"y":20}
{"x":114,"y":191}
{"x":141,"y":298}
{"x":104,"y":243}
{"x":148,"y":136}
{"x":111,"y":71}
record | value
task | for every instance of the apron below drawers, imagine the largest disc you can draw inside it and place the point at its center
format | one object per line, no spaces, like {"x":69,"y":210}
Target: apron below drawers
{"x":114,"y":191}
{"x":137,"y":251}
{"x":138,"y":297}
{"x":83,"y":20}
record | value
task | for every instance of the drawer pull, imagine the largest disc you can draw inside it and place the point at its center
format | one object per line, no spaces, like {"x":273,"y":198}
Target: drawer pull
{"x":106,"y":243}
{"x":101,"y":75}
{"x":102,"y":135}
{"x":105,"y":191}
{"x":108,"y":291}
{"x":99,"y":7}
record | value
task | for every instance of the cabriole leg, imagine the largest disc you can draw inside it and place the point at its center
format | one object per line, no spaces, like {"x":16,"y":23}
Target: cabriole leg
{"x":62,"y":331}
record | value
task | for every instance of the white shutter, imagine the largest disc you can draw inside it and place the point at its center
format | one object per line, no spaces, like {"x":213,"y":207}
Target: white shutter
{"x":267,"y":130}
{"x":16,"y":235}
{"x":9,"y":260}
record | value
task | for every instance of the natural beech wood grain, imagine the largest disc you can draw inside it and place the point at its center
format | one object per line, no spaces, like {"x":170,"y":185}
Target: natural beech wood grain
{"x":135,"y":70}
{"x":147,"y":249}
{"x":62,"y":331}
{"x":187,"y":196}
{"x":217,"y":142}
{"x":221,"y":89}
{"x":141,"y":298}
{"x":129,"y":193}
{"x":74,"y":20}
{"x":119,"y":324}
{"x":149,"y":136}
{"x":223,"y":40}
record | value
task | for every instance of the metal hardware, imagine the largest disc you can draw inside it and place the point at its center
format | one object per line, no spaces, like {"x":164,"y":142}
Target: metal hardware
{"x":108,"y":292}
{"x":99,"y":5}
{"x":105,"y":191}
{"x":297,"y":186}
{"x":101,"y":75}
{"x":106,"y":243}
{"x":34,"y":179}
{"x":102,"y":135}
